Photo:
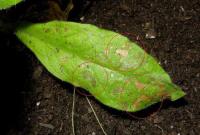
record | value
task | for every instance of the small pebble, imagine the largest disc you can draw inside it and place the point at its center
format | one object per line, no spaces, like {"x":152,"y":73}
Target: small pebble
{"x":171,"y":126}
{"x":151,"y":34}
{"x":82,"y":18}
{"x":165,"y":61}
{"x":46,"y":125}
{"x":38,"y":103}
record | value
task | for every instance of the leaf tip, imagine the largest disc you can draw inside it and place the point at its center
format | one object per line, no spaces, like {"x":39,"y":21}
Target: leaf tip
{"x":177,"y":95}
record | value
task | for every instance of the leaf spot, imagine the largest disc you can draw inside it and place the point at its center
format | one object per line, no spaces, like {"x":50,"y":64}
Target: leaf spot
{"x":143,"y":98}
{"x":139,"y":85}
{"x":88,"y":76}
{"x":122,"y":52}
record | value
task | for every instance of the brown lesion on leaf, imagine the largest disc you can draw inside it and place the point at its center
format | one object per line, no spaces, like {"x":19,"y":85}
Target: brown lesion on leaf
{"x":90,"y":77}
{"x":107,"y":51}
{"x":124,"y":51}
{"x":161,"y":86}
{"x":163,"y":95}
{"x":142,"y":98}
{"x":139,"y":85}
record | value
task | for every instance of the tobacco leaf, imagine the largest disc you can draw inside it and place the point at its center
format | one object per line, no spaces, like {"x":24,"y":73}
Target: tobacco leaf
{"x":115,"y":70}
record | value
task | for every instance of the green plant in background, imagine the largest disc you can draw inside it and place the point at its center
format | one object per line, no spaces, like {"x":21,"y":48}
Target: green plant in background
{"x":113,"y":69}
{"x":4,"y":4}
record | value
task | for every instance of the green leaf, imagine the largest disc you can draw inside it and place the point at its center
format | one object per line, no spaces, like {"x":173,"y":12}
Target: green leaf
{"x":4,"y":4}
{"x":113,"y":69}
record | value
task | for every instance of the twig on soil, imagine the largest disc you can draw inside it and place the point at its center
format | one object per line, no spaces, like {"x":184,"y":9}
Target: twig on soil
{"x":73,"y":105}
{"x":96,"y":116}
{"x":46,"y":125}
{"x":160,"y":129}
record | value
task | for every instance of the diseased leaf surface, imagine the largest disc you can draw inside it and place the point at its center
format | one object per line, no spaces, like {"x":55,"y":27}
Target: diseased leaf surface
{"x":115,"y":70}
{"x":4,"y":4}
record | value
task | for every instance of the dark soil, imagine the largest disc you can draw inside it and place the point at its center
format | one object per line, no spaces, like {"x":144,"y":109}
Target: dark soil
{"x":33,"y":102}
